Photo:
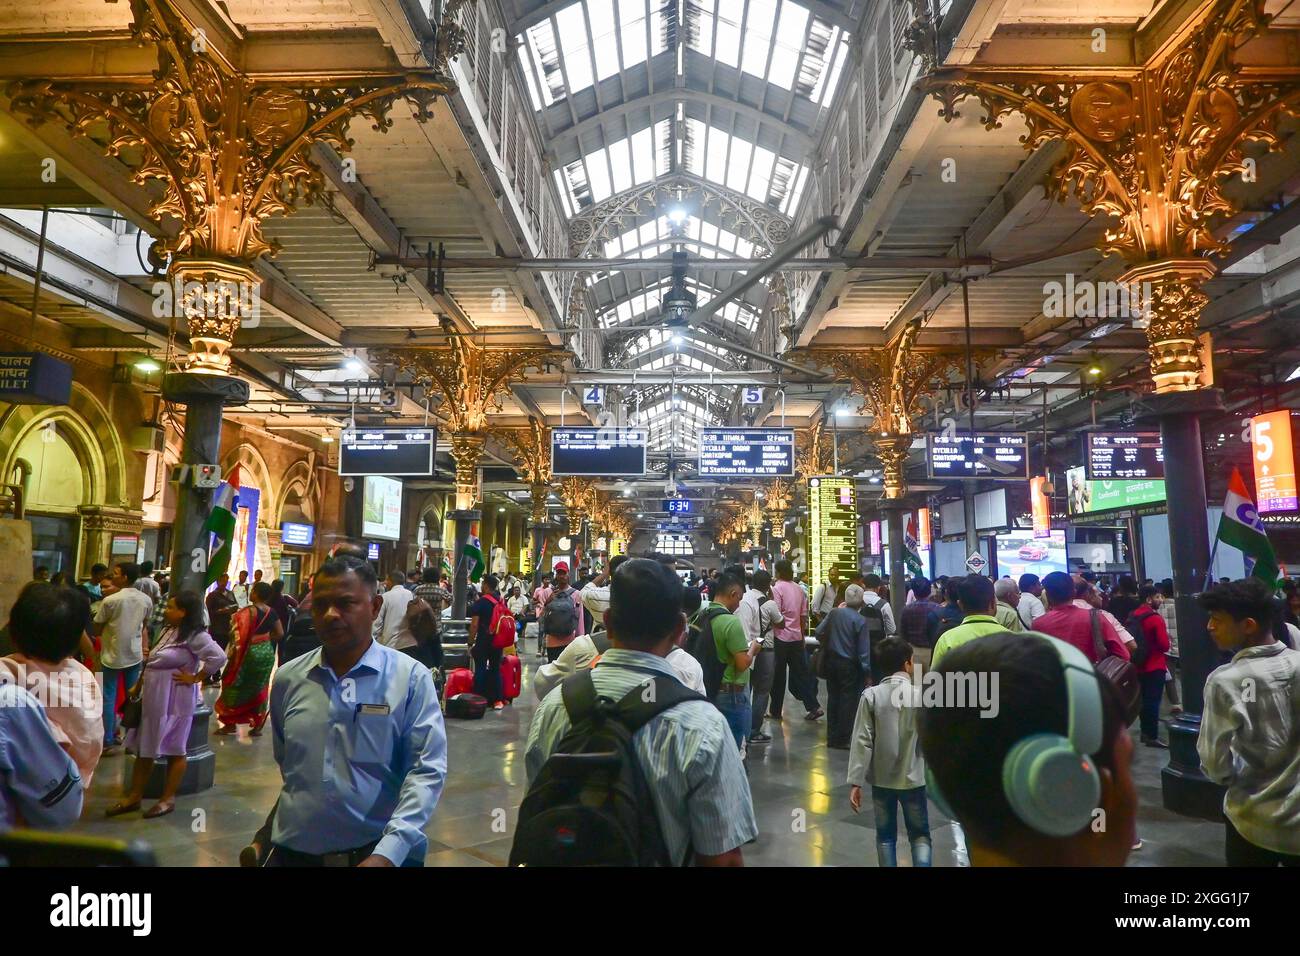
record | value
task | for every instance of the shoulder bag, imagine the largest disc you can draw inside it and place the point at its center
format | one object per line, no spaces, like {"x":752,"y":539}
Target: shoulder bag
{"x":1121,"y":673}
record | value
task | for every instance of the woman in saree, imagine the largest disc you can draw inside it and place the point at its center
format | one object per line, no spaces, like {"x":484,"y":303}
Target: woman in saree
{"x":246,"y":684}
{"x":168,"y":689}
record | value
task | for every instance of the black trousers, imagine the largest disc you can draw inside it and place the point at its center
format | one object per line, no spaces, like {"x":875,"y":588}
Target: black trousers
{"x":487,"y":674}
{"x":802,"y":682}
{"x":844,"y":681}
{"x":1238,"y":851}
{"x":1153,"y":689}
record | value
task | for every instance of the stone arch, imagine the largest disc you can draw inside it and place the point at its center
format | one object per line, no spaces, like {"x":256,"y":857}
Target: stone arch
{"x":250,"y":459}
{"x":86,"y":424}
{"x":298,"y":479}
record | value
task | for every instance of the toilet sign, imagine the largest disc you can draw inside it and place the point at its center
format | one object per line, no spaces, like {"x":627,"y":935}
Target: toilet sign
{"x":976,"y":563}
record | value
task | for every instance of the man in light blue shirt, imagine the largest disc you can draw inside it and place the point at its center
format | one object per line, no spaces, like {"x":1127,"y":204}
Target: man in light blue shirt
{"x":40,"y":786}
{"x":358,"y":735}
{"x":687,"y":754}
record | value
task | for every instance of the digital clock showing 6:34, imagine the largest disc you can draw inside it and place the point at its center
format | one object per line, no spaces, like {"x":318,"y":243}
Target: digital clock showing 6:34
{"x":677,"y":506}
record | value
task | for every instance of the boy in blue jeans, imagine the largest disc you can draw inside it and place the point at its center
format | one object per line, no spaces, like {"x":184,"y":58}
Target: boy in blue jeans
{"x":886,"y":753}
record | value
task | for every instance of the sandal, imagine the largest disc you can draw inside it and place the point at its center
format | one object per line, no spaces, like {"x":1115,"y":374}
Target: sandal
{"x":227,"y":729}
{"x":159,"y":809}
{"x":122,"y":807}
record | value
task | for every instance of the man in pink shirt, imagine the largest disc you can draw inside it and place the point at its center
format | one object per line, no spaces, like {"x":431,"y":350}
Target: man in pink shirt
{"x":1073,"y":624}
{"x":790,"y":652}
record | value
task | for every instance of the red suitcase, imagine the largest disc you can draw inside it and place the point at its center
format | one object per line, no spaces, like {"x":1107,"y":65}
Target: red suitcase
{"x":459,"y":681}
{"x":512,"y":676}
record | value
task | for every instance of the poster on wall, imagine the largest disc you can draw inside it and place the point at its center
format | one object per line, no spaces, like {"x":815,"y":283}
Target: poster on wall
{"x":381,"y":508}
{"x":1275,"y":478}
{"x":243,"y":549}
{"x":264,"y":559}
{"x":1087,"y":496}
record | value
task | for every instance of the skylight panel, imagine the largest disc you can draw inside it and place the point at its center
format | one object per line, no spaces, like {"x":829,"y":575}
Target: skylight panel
{"x":643,"y":155}
{"x":579,"y":191}
{"x":823,"y":46}
{"x":665,"y":142}
{"x":841,"y":56}
{"x":573,"y":41}
{"x":563,"y":190}
{"x":631,"y":20}
{"x":604,"y":33}
{"x":546,"y":58}
{"x":791,"y":29}
{"x":738,"y":164}
{"x":757,"y":41}
{"x":761,"y":176}
{"x":790,"y":204}
{"x":620,"y":161}
{"x":530,"y":79}
{"x":598,"y":176}
{"x":700,"y":17}
{"x":727,"y":35}
{"x":715,"y":156}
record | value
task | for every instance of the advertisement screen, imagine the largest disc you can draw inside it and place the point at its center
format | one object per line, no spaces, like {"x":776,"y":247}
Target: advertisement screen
{"x":1088,"y":497}
{"x":1019,"y":552}
{"x":381,"y":509}
{"x":1275,"y":483}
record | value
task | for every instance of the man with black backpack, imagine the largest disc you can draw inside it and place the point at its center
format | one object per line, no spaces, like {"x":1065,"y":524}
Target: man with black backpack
{"x":626,"y":766}
{"x":561,"y":621}
{"x":725,"y":655}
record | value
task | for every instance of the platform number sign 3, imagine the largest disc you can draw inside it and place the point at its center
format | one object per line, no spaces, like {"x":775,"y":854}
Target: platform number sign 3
{"x":752,"y":396}
{"x":593,"y":395}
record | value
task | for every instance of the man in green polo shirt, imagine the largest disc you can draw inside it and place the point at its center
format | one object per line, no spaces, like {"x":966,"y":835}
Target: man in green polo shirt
{"x":978,"y":603}
{"x":735,"y":652}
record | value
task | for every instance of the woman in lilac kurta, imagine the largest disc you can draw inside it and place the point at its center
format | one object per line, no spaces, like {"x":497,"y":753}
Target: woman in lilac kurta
{"x":168,"y":688}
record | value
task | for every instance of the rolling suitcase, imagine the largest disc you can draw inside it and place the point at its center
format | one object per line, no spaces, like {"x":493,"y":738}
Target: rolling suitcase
{"x":459,"y":681}
{"x":512,"y":676}
{"x":467,"y":706}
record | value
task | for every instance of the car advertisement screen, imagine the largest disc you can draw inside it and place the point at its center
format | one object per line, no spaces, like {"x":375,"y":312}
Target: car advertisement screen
{"x":1019,"y":552}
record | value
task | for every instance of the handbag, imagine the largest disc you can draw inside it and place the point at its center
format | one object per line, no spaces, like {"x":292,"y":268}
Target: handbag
{"x":1121,"y":673}
{"x":132,"y":712}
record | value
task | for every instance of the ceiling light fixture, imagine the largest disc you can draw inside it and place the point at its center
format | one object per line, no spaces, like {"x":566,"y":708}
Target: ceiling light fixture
{"x":677,"y":216}
{"x":1094,"y":369}
{"x":147,"y":365}
{"x":327,"y":439}
{"x":354,"y":366}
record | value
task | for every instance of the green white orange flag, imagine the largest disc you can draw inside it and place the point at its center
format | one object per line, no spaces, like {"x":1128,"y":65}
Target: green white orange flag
{"x":1241,"y":528}
{"x":221,"y":524}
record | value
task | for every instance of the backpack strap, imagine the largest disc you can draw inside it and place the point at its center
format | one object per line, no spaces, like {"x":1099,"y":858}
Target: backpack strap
{"x":634,"y":711}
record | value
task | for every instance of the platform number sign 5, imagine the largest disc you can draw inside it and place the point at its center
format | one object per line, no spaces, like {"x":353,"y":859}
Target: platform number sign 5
{"x":593,"y":395}
{"x":752,"y":396}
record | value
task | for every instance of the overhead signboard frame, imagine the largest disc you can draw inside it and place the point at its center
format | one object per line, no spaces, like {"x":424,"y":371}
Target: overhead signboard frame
{"x":746,"y":453}
{"x":1003,"y":456}
{"x":390,"y":452}
{"x":599,"y":452}
{"x":1124,"y":456}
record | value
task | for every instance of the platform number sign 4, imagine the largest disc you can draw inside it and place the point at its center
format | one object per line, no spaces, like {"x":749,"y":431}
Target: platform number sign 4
{"x":593,"y":395}
{"x":751,"y":396}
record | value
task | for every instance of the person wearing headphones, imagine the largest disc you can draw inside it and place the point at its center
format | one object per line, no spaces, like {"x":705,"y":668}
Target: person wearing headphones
{"x":1044,"y":781}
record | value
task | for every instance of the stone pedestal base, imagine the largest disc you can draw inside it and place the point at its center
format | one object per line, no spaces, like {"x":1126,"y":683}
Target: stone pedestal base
{"x":200,"y":767}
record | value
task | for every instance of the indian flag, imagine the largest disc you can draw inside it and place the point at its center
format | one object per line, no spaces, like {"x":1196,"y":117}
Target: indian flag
{"x":911,"y":554}
{"x":473,"y":555}
{"x":1241,"y":528}
{"x":221,"y":524}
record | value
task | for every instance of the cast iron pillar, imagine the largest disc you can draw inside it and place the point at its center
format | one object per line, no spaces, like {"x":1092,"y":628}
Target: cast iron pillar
{"x":204,"y":397}
{"x":893,"y":509}
{"x":461,"y":520}
{"x":537,"y":531}
{"x":1184,"y":787}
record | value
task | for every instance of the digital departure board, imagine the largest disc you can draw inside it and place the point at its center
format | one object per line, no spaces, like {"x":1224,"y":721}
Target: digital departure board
{"x":978,"y":455}
{"x":677,"y":506}
{"x":832,"y":528}
{"x":746,"y":453}
{"x":387,"y":451}
{"x":598,"y":452}
{"x":1125,"y":456}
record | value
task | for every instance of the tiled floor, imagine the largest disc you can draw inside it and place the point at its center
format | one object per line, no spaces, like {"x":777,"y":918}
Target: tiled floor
{"x":799,"y":797}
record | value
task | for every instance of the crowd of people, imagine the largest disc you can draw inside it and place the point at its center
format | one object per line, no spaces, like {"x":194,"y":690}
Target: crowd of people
{"x":675,"y":683}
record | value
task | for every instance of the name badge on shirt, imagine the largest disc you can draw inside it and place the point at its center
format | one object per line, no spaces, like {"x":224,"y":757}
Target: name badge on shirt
{"x":373,"y":710}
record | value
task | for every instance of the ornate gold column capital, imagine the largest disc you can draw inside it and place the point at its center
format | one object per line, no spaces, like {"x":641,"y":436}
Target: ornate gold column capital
{"x":215,"y":297}
{"x":892,"y":451}
{"x":1172,"y":301}
{"x":539,"y":493}
{"x":467,"y":452}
